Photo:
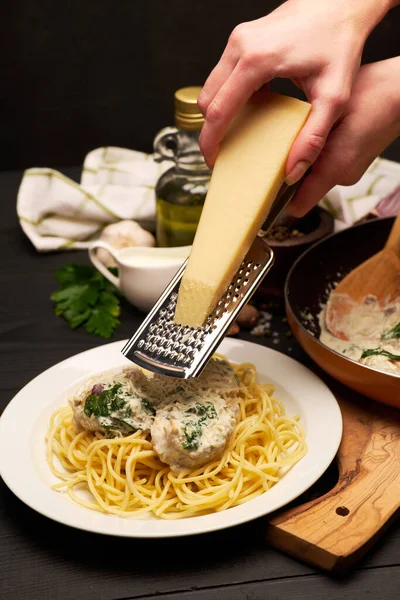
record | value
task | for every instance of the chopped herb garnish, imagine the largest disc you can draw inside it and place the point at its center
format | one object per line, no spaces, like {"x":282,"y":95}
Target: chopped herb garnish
{"x":203,"y":409}
{"x":111,"y":410}
{"x":148,"y":407}
{"x":103,"y":404}
{"x":193,"y":430}
{"x":392,"y":333}
{"x":351,"y":348}
{"x":379,"y":351}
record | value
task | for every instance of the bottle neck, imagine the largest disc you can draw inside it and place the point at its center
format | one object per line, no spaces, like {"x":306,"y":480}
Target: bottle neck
{"x":188,"y":152}
{"x":182,"y":147}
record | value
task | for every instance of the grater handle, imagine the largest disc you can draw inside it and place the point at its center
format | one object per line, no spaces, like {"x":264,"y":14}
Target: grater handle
{"x":284,"y":196}
{"x":151,"y":364}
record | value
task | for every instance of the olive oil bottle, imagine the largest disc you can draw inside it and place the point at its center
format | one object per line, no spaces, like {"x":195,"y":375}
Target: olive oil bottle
{"x":181,"y":190}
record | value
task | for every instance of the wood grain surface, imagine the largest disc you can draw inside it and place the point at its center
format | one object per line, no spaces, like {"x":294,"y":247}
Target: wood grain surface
{"x":335,"y":530}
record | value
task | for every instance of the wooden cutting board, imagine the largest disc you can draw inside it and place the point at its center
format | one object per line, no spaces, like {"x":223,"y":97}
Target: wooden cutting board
{"x":333,"y":531}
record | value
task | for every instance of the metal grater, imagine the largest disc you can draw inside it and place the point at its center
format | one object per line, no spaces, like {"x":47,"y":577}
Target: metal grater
{"x":161,"y":346}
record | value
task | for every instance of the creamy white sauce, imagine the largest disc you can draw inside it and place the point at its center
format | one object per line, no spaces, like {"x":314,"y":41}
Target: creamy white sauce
{"x":148,"y":260}
{"x":153,"y":257}
{"x":184,"y":439}
{"x":190,"y":421}
{"x":188,"y":433}
{"x":135,"y":410}
{"x":368,"y":327}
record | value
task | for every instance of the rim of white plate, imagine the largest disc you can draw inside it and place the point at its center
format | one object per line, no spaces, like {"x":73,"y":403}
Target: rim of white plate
{"x":23,"y":425}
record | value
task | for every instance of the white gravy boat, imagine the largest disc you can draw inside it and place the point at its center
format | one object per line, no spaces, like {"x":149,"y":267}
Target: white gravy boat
{"x":143,"y":273}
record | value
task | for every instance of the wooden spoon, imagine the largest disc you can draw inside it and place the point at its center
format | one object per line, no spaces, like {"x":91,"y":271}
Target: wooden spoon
{"x":378,"y":276}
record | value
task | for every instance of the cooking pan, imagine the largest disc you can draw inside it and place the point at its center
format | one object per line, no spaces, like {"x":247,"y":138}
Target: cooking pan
{"x":307,"y":288}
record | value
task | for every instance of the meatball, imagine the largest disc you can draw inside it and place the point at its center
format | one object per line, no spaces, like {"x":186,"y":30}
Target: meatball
{"x":113,"y":405}
{"x":186,"y":434}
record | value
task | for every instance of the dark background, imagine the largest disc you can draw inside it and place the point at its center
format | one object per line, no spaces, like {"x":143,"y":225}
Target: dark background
{"x":75,"y":75}
{"x":79,"y":74}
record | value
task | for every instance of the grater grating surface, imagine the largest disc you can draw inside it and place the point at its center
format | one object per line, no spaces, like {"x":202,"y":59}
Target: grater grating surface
{"x":161,"y":346}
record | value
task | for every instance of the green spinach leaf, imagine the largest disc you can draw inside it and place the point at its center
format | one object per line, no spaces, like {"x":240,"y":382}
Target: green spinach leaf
{"x":380,"y":351}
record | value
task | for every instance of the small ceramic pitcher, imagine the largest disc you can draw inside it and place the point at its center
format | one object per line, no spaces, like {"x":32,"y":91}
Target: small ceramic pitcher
{"x":143,"y":273}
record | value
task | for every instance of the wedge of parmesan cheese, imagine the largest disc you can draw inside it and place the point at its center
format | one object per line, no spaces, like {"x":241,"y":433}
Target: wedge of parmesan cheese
{"x":249,"y":170}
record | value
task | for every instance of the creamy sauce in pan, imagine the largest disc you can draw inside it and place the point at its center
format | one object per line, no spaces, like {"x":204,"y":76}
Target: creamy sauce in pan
{"x":373,"y":334}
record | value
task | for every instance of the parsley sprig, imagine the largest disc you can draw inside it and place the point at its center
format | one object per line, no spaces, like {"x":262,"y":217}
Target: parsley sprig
{"x":85,"y":298}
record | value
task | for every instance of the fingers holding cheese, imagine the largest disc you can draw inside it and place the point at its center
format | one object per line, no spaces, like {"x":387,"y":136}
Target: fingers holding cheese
{"x":318,"y":45}
{"x":361,"y":134}
{"x":225,"y":106}
{"x":248,"y":173}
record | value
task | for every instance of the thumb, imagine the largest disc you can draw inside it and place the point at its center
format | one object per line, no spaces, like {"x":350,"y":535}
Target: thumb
{"x":315,"y":186}
{"x":312,"y":137}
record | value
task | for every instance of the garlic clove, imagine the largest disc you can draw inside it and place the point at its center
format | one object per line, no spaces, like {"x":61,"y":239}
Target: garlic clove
{"x":123,"y":234}
{"x":248,"y":317}
{"x":234,"y":329}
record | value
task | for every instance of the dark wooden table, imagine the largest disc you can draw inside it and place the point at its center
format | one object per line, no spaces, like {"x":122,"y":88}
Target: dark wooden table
{"x":41,"y":559}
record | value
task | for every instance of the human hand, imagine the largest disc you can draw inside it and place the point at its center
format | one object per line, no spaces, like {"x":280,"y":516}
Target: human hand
{"x":369,"y":124}
{"x":317,"y":45}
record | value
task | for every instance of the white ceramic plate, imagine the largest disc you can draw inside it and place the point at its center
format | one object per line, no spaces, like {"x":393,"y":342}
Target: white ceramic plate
{"x":23,"y":426}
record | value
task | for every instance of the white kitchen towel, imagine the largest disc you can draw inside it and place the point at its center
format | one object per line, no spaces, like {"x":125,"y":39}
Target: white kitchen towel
{"x":56,"y":213}
{"x":349,"y":204}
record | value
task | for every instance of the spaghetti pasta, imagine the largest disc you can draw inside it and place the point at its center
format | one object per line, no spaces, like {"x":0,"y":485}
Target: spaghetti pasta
{"x":125,"y":476}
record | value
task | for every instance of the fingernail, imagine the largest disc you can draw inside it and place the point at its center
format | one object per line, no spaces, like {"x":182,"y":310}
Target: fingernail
{"x":297,"y":172}
{"x":210,"y":158}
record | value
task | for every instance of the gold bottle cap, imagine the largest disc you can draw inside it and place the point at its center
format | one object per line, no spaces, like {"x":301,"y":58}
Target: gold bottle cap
{"x":187,"y":113}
